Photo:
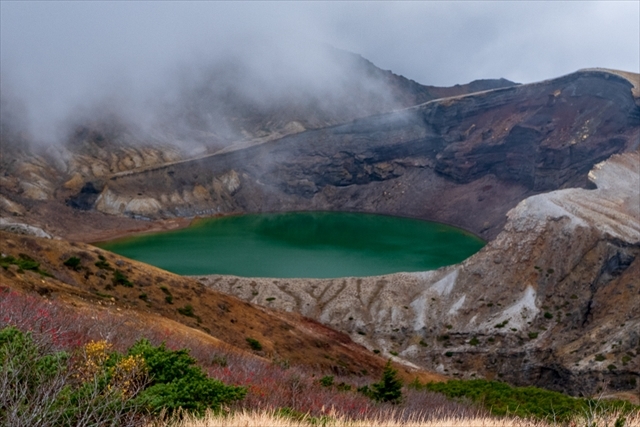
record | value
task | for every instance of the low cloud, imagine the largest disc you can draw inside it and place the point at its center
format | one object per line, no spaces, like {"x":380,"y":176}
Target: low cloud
{"x":167,"y":68}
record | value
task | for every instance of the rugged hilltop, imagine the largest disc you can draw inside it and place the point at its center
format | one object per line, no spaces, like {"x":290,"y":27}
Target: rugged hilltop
{"x":464,"y":160}
{"x":547,"y":173}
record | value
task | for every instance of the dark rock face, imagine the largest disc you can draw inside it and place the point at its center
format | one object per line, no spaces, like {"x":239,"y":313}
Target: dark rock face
{"x":562,"y":128}
{"x":85,"y":199}
{"x":464,"y":160}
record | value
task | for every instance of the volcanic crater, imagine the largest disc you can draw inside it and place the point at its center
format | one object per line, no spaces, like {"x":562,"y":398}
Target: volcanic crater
{"x":547,"y":173}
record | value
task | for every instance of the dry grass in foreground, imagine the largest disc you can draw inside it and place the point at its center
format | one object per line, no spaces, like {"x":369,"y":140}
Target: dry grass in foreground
{"x":271,"y":419}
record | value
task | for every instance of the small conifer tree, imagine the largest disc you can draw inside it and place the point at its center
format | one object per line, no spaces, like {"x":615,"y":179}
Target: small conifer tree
{"x":389,"y":388}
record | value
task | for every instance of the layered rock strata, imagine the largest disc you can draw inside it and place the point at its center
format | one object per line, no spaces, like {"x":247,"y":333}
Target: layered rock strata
{"x":465,"y":160}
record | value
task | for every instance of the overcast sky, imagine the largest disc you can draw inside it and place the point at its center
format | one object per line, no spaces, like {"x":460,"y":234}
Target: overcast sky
{"x":57,"y":51}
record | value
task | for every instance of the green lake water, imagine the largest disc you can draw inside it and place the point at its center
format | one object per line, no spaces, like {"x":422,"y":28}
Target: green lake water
{"x":301,"y":244}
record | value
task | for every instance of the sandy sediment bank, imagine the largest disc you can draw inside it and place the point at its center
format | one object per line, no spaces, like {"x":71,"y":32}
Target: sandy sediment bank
{"x":128,"y":230}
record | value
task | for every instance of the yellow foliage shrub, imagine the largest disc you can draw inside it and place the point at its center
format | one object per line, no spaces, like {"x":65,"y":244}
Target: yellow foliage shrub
{"x":127,"y":376}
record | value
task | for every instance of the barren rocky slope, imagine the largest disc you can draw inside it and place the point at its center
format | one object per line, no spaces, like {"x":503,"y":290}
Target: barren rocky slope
{"x":213,"y":112}
{"x":552,"y":301}
{"x":465,"y":160}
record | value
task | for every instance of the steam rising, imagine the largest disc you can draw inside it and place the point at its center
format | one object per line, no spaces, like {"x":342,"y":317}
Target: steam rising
{"x":214,"y":98}
{"x":204,"y":74}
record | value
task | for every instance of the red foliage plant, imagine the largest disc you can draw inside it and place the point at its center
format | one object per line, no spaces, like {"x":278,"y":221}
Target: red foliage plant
{"x":271,"y":385}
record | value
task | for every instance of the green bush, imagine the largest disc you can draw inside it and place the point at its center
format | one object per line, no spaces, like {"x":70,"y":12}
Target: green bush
{"x":219,"y":360}
{"x":23,"y":262}
{"x":326,"y":381}
{"x":187,"y":310}
{"x":502,"y":324}
{"x":177,"y":382}
{"x":73,"y":262}
{"x":343,"y":386}
{"x":254,"y":344}
{"x":103,"y":263}
{"x":502,"y":399}
{"x":119,"y":278}
{"x":6,"y":261}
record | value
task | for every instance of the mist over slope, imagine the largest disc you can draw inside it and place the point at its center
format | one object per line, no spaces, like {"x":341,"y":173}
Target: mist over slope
{"x":207,"y":102}
{"x":462,"y":160}
{"x":223,"y":100}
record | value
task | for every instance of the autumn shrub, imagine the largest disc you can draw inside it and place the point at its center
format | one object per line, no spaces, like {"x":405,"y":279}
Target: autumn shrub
{"x":95,"y":385}
{"x":268,"y":385}
{"x":177,"y":382}
{"x":41,"y":387}
{"x":52,"y":323}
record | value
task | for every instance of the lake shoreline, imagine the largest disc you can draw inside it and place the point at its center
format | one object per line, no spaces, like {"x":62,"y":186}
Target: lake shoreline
{"x":310,"y":244}
{"x":146,"y":227}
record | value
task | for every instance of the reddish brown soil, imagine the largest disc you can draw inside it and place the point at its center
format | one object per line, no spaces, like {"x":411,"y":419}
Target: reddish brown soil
{"x":217,"y":316}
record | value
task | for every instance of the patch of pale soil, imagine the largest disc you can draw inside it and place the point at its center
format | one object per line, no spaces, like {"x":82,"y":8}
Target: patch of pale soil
{"x":613,"y":208}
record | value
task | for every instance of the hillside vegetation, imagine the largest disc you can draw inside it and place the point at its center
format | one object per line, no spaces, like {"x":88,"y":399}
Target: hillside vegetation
{"x":102,"y":348}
